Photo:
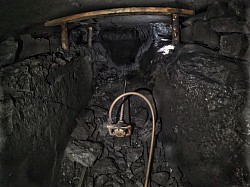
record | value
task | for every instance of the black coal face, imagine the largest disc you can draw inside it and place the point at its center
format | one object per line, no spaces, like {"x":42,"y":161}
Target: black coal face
{"x":54,"y":104}
{"x":121,"y":43}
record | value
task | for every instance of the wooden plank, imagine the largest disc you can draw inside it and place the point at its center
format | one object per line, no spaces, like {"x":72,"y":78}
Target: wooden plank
{"x":175,"y":29}
{"x":119,"y":11}
{"x":64,"y":36}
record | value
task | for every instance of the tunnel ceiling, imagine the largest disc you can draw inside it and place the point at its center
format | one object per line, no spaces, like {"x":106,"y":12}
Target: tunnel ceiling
{"x":20,"y":16}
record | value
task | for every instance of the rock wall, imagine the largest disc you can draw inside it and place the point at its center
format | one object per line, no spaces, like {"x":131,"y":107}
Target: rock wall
{"x":40,"y":99}
{"x":201,"y":98}
{"x":219,"y":27}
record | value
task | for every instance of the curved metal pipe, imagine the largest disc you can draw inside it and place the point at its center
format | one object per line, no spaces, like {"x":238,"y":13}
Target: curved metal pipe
{"x":153,"y":128}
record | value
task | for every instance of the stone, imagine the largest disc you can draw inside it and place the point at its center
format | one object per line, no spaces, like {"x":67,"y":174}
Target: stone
{"x":138,"y":168}
{"x":161,"y":178}
{"x":54,"y":44}
{"x":154,"y":184}
{"x":204,"y":34}
{"x":233,"y":45}
{"x":246,"y":28}
{"x":216,"y":10}
{"x":118,"y":179}
{"x":246,"y":56}
{"x":212,"y":83}
{"x":226,"y":25}
{"x":121,"y":142}
{"x":190,"y":21}
{"x":103,"y":130}
{"x":122,"y":164}
{"x":129,"y":173}
{"x":105,"y":166}
{"x":187,"y":34}
{"x":101,"y":180}
{"x":83,"y":152}
{"x":42,"y":94}
{"x":141,"y":117}
{"x":138,"y":183}
{"x":99,"y":111}
{"x":32,"y":47}
{"x":81,"y":131}
{"x":247,"y":13}
{"x":8,"y":49}
{"x":89,"y":182}
{"x":145,"y":133}
{"x":113,"y":184}
{"x":237,"y":8}
{"x":133,"y":154}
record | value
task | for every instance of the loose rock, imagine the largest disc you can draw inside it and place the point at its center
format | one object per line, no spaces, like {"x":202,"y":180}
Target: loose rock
{"x":105,"y":166}
{"x":216,"y":10}
{"x":8,"y":50}
{"x":202,"y":33}
{"x":133,"y":154}
{"x":226,"y":25}
{"x":161,"y":178}
{"x":229,"y":47}
{"x":33,"y":46}
{"x":101,"y":180}
{"x":84,"y":152}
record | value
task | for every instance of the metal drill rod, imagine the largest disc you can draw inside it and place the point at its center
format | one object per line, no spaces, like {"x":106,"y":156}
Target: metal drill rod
{"x":151,"y":150}
{"x":121,"y":118}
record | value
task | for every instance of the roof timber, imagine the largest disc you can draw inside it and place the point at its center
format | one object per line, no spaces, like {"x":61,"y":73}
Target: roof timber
{"x":119,"y":11}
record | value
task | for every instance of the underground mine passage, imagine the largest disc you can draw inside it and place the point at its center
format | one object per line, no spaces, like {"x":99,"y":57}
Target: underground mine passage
{"x":178,"y":68}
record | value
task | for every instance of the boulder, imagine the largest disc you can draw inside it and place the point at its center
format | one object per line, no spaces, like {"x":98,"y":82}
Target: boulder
{"x":187,"y":34}
{"x":226,"y":25}
{"x":161,"y":178}
{"x":246,"y":56}
{"x":216,"y":10}
{"x":104,"y":167}
{"x":8,"y":50}
{"x":233,"y":45}
{"x":32,"y":47}
{"x":202,"y":95}
{"x":236,"y":8}
{"x":198,"y":17}
{"x":83,"y":152}
{"x":202,"y":33}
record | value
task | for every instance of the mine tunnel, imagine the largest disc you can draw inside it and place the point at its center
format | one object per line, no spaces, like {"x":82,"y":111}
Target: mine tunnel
{"x":185,"y":64}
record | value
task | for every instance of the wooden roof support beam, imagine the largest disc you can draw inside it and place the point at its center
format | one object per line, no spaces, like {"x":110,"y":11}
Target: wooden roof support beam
{"x":175,"y":12}
{"x":175,"y":29}
{"x":119,"y":11}
{"x":64,"y":36}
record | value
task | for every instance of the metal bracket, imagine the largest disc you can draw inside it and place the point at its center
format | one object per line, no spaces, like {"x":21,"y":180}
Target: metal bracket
{"x":120,"y":129}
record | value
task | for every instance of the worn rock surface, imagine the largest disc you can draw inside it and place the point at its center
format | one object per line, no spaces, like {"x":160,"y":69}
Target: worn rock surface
{"x":216,"y":10}
{"x":203,"y":33}
{"x":84,"y":152}
{"x":227,"y":25}
{"x":229,"y":47}
{"x":201,"y":90}
{"x":8,"y":49}
{"x":41,"y":98}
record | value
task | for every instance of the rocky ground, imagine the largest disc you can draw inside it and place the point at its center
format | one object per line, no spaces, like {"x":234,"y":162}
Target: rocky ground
{"x":114,"y":161}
